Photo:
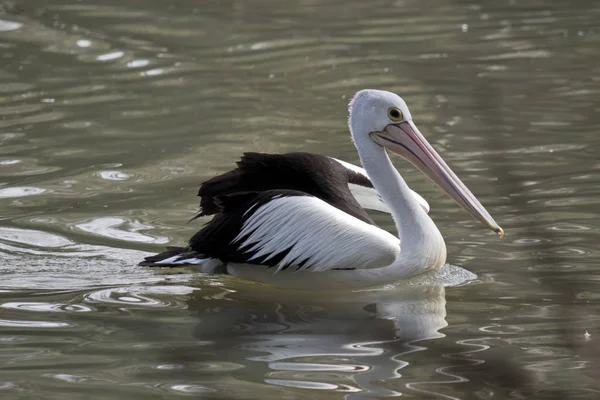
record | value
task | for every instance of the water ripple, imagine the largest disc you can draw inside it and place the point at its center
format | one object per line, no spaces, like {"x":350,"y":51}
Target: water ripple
{"x":37,"y":259}
{"x":31,"y":237}
{"x":6,"y":26}
{"x":121,"y":229}
{"x":191,"y":389}
{"x":8,"y":385}
{"x":46,"y":307}
{"x":306,"y":384}
{"x":32,"y":324}
{"x":114,"y":175}
{"x":23,"y":191}
{"x":297,"y":366}
{"x":141,"y":296}
{"x":111,"y":116}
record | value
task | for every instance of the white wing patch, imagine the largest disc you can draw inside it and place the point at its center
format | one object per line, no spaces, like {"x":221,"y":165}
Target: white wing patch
{"x":317,"y":236}
{"x":424,"y":204}
{"x":351,"y":167}
{"x":368,"y":198}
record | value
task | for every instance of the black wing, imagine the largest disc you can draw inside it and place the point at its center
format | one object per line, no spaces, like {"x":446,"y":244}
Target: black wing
{"x":313,"y":174}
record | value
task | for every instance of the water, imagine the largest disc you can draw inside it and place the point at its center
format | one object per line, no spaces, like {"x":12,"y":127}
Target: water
{"x":113,"y":112}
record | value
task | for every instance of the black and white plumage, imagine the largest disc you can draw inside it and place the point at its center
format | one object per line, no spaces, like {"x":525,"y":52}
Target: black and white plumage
{"x":247,"y":199}
{"x":322,"y":176}
{"x":363,"y":191}
{"x":298,"y":220}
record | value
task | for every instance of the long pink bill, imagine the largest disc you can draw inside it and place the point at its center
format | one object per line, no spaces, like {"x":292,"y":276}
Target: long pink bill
{"x":405,"y":140}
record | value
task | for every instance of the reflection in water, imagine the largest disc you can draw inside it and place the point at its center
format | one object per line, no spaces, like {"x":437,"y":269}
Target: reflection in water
{"x":345,"y":342}
{"x":227,"y":335}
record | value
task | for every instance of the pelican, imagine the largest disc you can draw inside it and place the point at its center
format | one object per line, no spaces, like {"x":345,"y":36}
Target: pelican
{"x":298,"y":220}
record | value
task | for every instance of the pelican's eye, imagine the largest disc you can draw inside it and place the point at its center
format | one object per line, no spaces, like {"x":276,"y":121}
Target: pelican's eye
{"x":395,"y":114}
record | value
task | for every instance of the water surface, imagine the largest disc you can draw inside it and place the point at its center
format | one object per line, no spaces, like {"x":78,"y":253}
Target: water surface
{"x":113,"y":112}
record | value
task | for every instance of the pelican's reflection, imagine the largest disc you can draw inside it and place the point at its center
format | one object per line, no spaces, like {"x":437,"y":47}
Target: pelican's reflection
{"x":350,"y":342}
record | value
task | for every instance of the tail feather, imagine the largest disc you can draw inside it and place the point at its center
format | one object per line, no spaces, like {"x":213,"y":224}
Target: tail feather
{"x":184,"y":256}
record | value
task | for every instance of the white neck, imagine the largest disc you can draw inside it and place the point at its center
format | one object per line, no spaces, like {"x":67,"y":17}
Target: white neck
{"x":420,"y":241}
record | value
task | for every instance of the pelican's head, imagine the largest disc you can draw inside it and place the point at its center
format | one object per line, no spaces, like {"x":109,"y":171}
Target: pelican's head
{"x":382,"y":118}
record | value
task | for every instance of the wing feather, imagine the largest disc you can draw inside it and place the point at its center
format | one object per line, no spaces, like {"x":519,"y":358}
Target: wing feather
{"x":314,"y":236}
{"x":367,"y":197}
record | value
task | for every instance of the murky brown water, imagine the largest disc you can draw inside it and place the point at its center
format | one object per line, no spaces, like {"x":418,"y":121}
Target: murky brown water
{"x":112,"y":113}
